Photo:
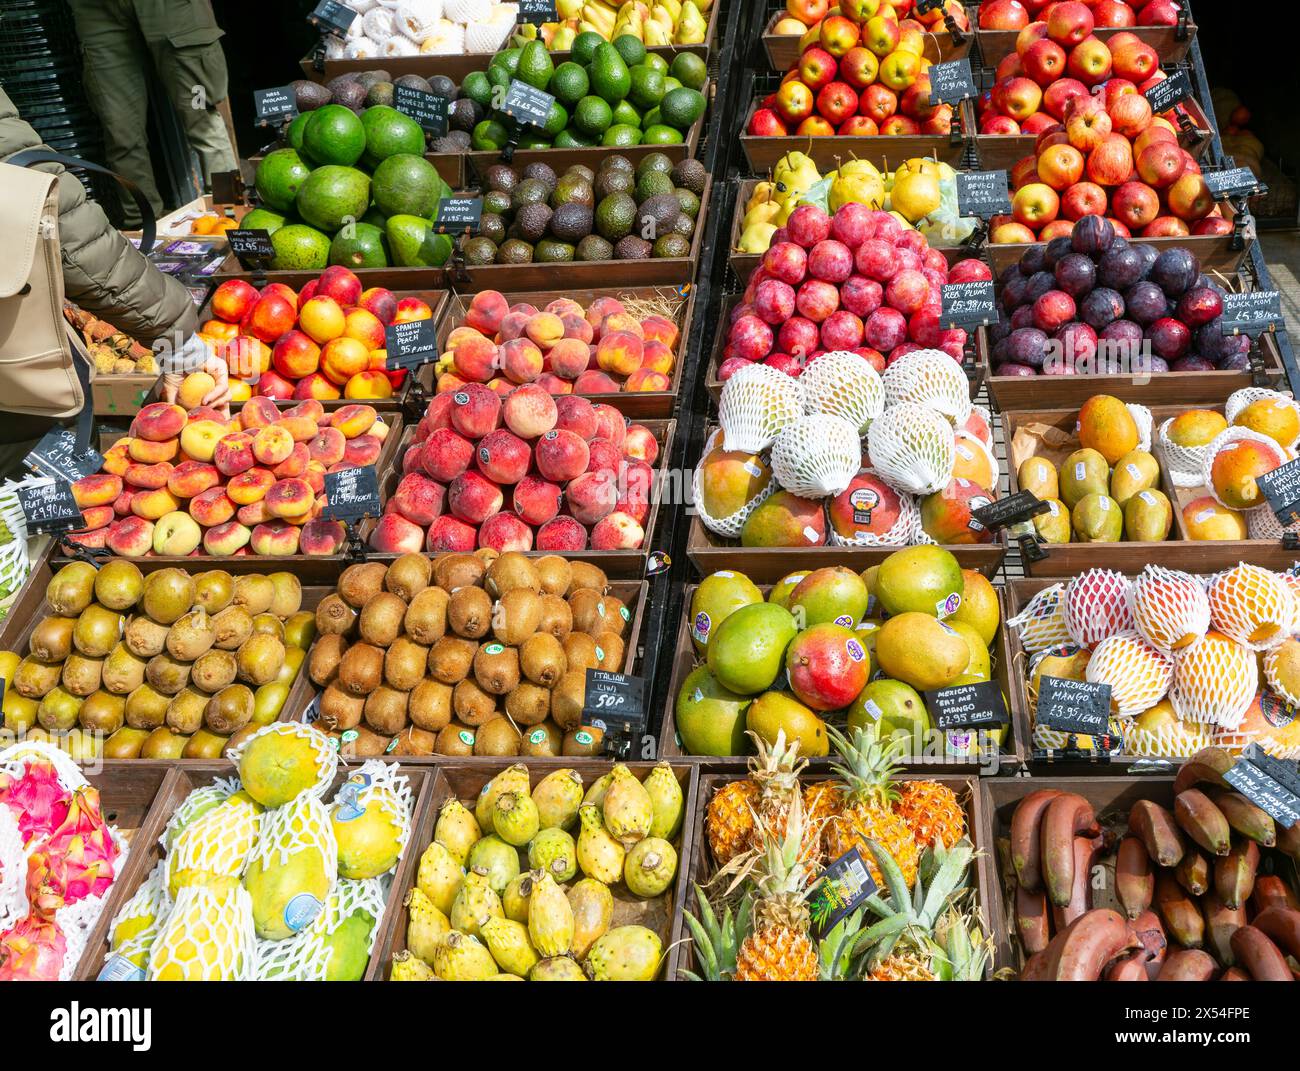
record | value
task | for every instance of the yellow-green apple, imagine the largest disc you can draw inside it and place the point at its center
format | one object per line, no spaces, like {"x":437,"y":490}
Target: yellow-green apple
{"x":1111,"y":162}
{"x":881,"y":35}
{"x":1044,"y":62}
{"x":1087,"y":124}
{"x":1057,"y":96}
{"x":899,"y":70}
{"x":1069,"y":23}
{"x":1035,"y":205}
{"x":1083,"y":199}
{"x":1090,"y":61}
{"x":1190,"y":198}
{"x":911,"y":39}
{"x":1135,"y":204}
{"x":794,"y":102}
{"x":838,"y":35}
{"x":1012,"y":234}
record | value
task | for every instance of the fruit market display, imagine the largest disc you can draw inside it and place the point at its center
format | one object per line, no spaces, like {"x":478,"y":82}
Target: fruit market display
{"x":111,"y":351}
{"x":481,"y":472}
{"x":461,"y":655}
{"x":1191,"y":661}
{"x":655,"y":24}
{"x":801,"y":16}
{"x":59,"y":860}
{"x":274,"y":874}
{"x":548,"y":881}
{"x":186,"y":482}
{"x":859,"y":75}
{"x":423,"y":28}
{"x":607,"y":94}
{"x":1189,"y":901}
{"x":829,"y":645}
{"x":168,"y":664}
{"x":1104,"y":14}
{"x":1091,"y":302}
{"x":619,"y":212}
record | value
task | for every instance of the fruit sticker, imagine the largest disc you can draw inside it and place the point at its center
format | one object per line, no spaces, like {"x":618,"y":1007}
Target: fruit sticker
{"x":947,"y":607}
{"x":1276,"y":712}
{"x":584,"y":738}
{"x":348,"y":799}
{"x":873,"y":709}
{"x":302,"y":911}
{"x":537,"y":737}
{"x":978,"y":502}
{"x":855,"y":650}
{"x":863,"y":501}
{"x":845,"y":885}
{"x":466,"y":738}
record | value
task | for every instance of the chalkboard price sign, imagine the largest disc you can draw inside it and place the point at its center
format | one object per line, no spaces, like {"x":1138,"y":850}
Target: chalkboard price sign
{"x":411,"y":344}
{"x":331,"y":16}
{"x":982,"y":193}
{"x":527,"y":105}
{"x":1071,"y":706}
{"x":969,"y":304}
{"x":1014,"y":509}
{"x":459,"y":215}
{"x":56,"y":455}
{"x":50,"y":507}
{"x":1282,"y":489}
{"x":1170,"y":91}
{"x":967,"y":706}
{"x":253,"y":249}
{"x":614,"y":702}
{"x":538,"y":11}
{"x":352,"y":494}
{"x":1266,"y":791}
{"x":274,"y":105}
{"x":427,"y":109}
{"x":952,"y":82}
{"x":1251,"y":313}
{"x":1236,"y":182}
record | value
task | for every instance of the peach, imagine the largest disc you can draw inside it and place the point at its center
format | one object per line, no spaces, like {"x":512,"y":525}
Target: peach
{"x":155,"y":504}
{"x":250,"y":486}
{"x":394,"y":534}
{"x":545,"y":329}
{"x":274,"y":385}
{"x":463,"y":335}
{"x":381,"y":302}
{"x":520,"y":360}
{"x":370,"y":384}
{"x":578,"y":416}
{"x":561,"y":534}
{"x":343,"y":358}
{"x":412,"y":308}
{"x":365,"y":327}
{"x":640,"y":443}
{"x":620,"y":323}
{"x":213,"y":506}
{"x":193,"y":389}
{"x":504,"y":532}
{"x":257,"y":413}
{"x":554,"y":385}
{"x":218,"y":330}
{"x":341,"y":284}
{"x":561,"y":455}
{"x":563,"y":307}
{"x":601,"y":308}
{"x":199,"y":439}
{"x":418,"y":498}
{"x":320,"y":538}
{"x":476,"y":410}
{"x":234,"y":453}
{"x":595,"y":383}
{"x":535,"y":500}
{"x":316,"y":386}
{"x":610,"y":424}
{"x":503,"y":457}
{"x":275,"y":540}
{"x":604,"y":456}
{"x":232,"y":300}
{"x":486,"y":311}
{"x":645,"y":380}
{"x":300,"y":429}
{"x":117,"y":457}
{"x":215,"y":416}
{"x":293,"y":465}
{"x":660,"y":329}
{"x":514,"y":325}
{"x":177,"y":534}
{"x":569,"y":358}
{"x":271,"y":316}
{"x":131,"y":537}
{"x":473,"y":497}
{"x":577,"y":329}
{"x":446,"y":455}
{"x":96,"y":517}
{"x":272,"y":445}
{"x":656,"y":357}
{"x":322,"y":319}
{"x":449,"y":382}
{"x":618,"y":531}
{"x":327,"y":446}
{"x":148,"y":453}
{"x":295,"y":355}
{"x":636,"y":484}
{"x":354,"y":420}
{"x":529,"y":411}
{"x":289,"y":498}
{"x":96,"y":490}
{"x":148,"y":477}
{"x":226,"y":539}
{"x":122,"y":503}
{"x":95,"y":539}
{"x":254,"y":513}
{"x":361,"y":451}
{"x":473,"y":357}
{"x":284,"y":290}
{"x":315,"y":476}
{"x":158,"y":422}
{"x":448,"y":534}
{"x":592,"y":496}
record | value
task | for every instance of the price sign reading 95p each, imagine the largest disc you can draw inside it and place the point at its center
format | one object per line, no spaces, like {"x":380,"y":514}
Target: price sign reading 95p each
{"x":1169,"y":91}
{"x":331,"y":16}
{"x":967,"y":706}
{"x":614,"y":702}
{"x":1251,"y":313}
{"x":538,"y":12}
{"x":969,"y":305}
{"x":459,"y":215}
{"x":1282,"y":489}
{"x":411,"y":344}
{"x":427,"y":109}
{"x":982,"y":193}
{"x":49,"y":507}
{"x":1069,"y":706}
{"x":352,"y":494}
{"x":952,"y":82}
{"x":274,"y":105}
{"x":527,"y":105}
{"x":56,"y":455}
{"x":1235,"y":182}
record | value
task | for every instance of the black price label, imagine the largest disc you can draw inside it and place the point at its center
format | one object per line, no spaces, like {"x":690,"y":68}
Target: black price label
{"x":967,"y":706}
{"x":845,"y":886}
{"x":538,"y":11}
{"x":56,"y":455}
{"x":1265,"y":791}
{"x":952,"y":82}
{"x":1287,"y":774}
{"x":252,"y":248}
{"x":331,"y":16}
{"x":411,"y":344}
{"x":49,"y":507}
{"x":1014,"y":509}
{"x":614,"y":702}
{"x":983,"y":194}
{"x":924,"y":7}
{"x":352,"y":494}
{"x":969,"y":304}
{"x":1074,"y":706}
{"x":527,"y":105}
{"x":274,"y":105}
{"x":1251,"y":313}
{"x":1237,"y":182}
{"x":1169,"y":91}
{"x":428,"y":109}
{"x":1282,"y":489}
{"x":459,"y":215}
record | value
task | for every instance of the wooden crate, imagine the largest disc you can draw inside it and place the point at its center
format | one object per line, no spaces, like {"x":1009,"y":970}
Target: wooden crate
{"x":685,"y":660}
{"x":783,"y":48}
{"x":996,"y":45}
{"x":464,"y":782}
{"x":180,"y":782}
{"x":121,"y":397}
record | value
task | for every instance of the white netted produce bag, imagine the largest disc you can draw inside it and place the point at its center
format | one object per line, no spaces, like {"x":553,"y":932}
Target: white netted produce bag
{"x":1227,"y":440}
{"x":930,"y":378}
{"x":816,"y":456}
{"x":201,"y":799}
{"x":912,"y":447}
{"x":1139,"y":675}
{"x":1186,"y":464}
{"x":1177,"y":740}
{"x":1145,"y":425}
{"x":305,"y":957}
{"x":902,"y":533}
{"x":208,"y":935}
{"x":150,"y":902}
{"x":729,"y":526}
{"x":362,"y":48}
{"x":1262,"y":523}
{"x":1097,"y":607}
{"x":15,"y":757}
{"x":467,"y":10}
{"x":385,"y":785}
{"x":1275,"y":682}
{"x":1240,"y":400}
{"x":843,"y":384}
{"x":1169,"y":606}
{"x":491,"y":35}
{"x":1041,"y":624}
{"x":218,"y":842}
{"x":399,"y":45}
{"x":418,"y":19}
{"x":1215,"y":681}
{"x":756,"y":403}
{"x":327,"y":757}
{"x":300,"y":824}
{"x":379,"y":24}
{"x":1252,"y":606}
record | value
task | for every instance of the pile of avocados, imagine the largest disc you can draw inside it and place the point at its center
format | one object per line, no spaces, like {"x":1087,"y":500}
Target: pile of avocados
{"x":620,"y":212}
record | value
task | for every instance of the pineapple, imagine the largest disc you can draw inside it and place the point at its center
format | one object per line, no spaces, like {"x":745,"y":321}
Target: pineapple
{"x":822,"y":801}
{"x":868,"y":813}
{"x":931,"y":812}
{"x":716,"y":940}
{"x":729,"y":820}
{"x":739,"y":812}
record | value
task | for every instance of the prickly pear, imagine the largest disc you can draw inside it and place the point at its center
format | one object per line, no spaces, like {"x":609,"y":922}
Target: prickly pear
{"x":550,"y":918}
{"x":599,"y":854}
{"x":650,"y":867}
{"x":557,"y":969}
{"x":457,"y":830}
{"x":596,"y":793}
{"x":553,"y":851}
{"x":409,"y":968}
{"x":515,"y":899}
{"x":625,"y":954}
{"x":628,"y":809}
{"x":666,"y":798}
{"x":558,"y":796}
{"x":510,"y":946}
{"x":425,"y":925}
{"x":593,"y":910}
{"x":462,"y":958}
{"x":515,"y":819}
{"x":512,"y":779}
{"x":497,"y":858}
{"x":439,"y":876}
{"x":475,"y":903}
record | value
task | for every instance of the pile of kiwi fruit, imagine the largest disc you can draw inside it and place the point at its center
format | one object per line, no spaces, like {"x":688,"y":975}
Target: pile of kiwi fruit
{"x":162,"y":665}
{"x":464,"y":654}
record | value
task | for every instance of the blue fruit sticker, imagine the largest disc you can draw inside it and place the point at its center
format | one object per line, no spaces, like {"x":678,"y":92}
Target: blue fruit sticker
{"x":301,"y":911}
{"x":949,"y":606}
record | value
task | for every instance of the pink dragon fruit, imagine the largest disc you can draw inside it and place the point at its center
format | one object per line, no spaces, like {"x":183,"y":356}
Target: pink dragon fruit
{"x":76,"y":861}
{"x":38,"y":800}
{"x":32,"y":951}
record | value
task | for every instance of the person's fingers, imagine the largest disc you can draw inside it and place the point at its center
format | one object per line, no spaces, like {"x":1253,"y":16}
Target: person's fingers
{"x":169,"y":391}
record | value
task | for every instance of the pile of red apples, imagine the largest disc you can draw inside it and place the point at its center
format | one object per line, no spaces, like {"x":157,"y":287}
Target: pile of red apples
{"x":1106,"y":14}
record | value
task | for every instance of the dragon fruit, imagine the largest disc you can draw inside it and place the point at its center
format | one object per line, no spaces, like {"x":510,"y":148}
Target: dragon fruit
{"x":38,"y":800}
{"x":76,"y":861}
{"x":32,"y":951}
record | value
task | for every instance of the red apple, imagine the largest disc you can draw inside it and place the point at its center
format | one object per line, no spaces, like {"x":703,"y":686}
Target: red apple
{"x":1212,"y":225}
{"x":815,"y":127}
{"x":1166,"y":227}
{"x":1113,"y":13}
{"x":1083,"y":199}
{"x":1018,"y":98}
{"x":1060,"y":166}
{"x":900,"y":125}
{"x":1058,"y":228}
{"x":878,"y":103}
{"x":1087,"y":124}
{"x":1039,"y":122}
{"x":1044,"y":62}
{"x":1190,"y":198}
{"x":858,"y":126}
{"x":839,"y":35}
{"x":1090,"y":61}
{"x":859,"y":67}
{"x":837,"y":101}
{"x":1116,"y":88}
{"x":1009,"y":67}
{"x":999,"y":124}
{"x":1029,"y":36}
{"x":794,"y":102}
{"x":1011,"y":234}
{"x":1130,"y":114}
{"x":1161,"y":164}
{"x":1159,"y":13}
{"x":1069,"y":23}
{"x":1057,"y":96}
{"x":1111,"y":162}
{"x":1003,"y":15}
{"x":1024,"y":172}
{"x":1136,"y":60}
{"x":1135,"y":204}
{"x":766,"y":123}
{"x":817,"y":68}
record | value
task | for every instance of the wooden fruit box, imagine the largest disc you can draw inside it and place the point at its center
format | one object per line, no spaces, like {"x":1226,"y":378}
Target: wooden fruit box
{"x":635,"y":405}
{"x":685,"y":660}
{"x":458,"y":781}
{"x":121,"y":397}
{"x":1179,"y":551}
{"x":996,"y":45}
{"x":703,"y":868}
{"x":783,"y":48}
{"x":179,"y":783}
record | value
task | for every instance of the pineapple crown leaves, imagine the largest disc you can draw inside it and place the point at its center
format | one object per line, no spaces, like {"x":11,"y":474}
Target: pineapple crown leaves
{"x":838,"y":949}
{"x":717,"y":941}
{"x":964,"y":950}
{"x":776,"y":767}
{"x":867,"y":764}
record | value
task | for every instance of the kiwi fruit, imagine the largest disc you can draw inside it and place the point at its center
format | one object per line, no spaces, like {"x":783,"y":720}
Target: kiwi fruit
{"x":408,"y":576}
{"x":580,"y":651}
{"x":510,"y":571}
{"x":542,"y":741}
{"x":453,"y":571}
{"x":119,"y":584}
{"x":232,"y":627}
{"x":204,"y":745}
{"x":380,"y":622}
{"x":240,"y":738}
{"x":286,"y":598}
{"x":429,"y":706}
{"x":186,"y":710}
{"x":58,"y":710}
{"x":496,"y":668}
{"x":213,"y":671}
{"x":33,"y":678}
{"x":213,"y":590}
{"x":166,"y":674}
{"x":542,"y":659}
{"x":497,"y":737}
{"x":426,"y":617}
{"x":586,"y":575}
{"x":610,"y":649}
{"x":323,"y":662}
{"x":122,"y":671}
{"x":413,"y":741}
{"x":404,"y":664}
{"x":450,"y":659}
{"x":168,"y":595}
{"x":360,"y":583}
{"x":82,"y":675}
{"x":19,"y":713}
{"x":457,"y":740}
{"x":567,"y":699}
{"x":268,"y":701}
{"x":516,"y":616}
{"x":97,"y":631}
{"x":587,"y":741}
{"x":528,"y":704}
{"x":471,"y":704}
{"x":300,"y":629}
{"x":259,"y":659}
{"x":71,"y":589}
{"x":338,"y":710}
{"x":334,"y":616}
{"x":615,"y":616}
{"x":254,"y":592}
{"x":469,"y":612}
{"x":146,"y":707}
{"x":102,"y":713}
{"x":557,"y":618}
{"x":361,"y":669}
{"x":144,"y":638}
{"x":554,"y":573}
{"x":164,"y":743}
{"x":588,"y":606}
{"x":191,"y":636}
{"x":385,"y":710}
{"x":52,"y":639}
{"x":268,"y":624}
{"x":365,"y":744}
{"x":229,"y":710}
{"x":125,"y":743}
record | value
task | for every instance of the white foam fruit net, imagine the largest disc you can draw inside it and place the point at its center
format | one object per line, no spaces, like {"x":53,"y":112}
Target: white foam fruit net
{"x":202,"y":799}
{"x":1097,"y":607}
{"x":306,"y":956}
{"x":1170,"y":609}
{"x":1041,"y":624}
{"x":1186,"y":464}
{"x":381,"y":784}
{"x":216,"y":844}
{"x":816,"y":456}
{"x":327,"y":757}
{"x":301,"y":825}
{"x":139,"y":921}
{"x":930,"y":378}
{"x":1272,"y":664}
{"x":1228,"y":440}
{"x":1215,"y":681}
{"x":1239,"y":401}
{"x":1175,"y":739}
{"x":912,"y":448}
{"x":843,"y":384}
{"x":864,"y":502}
{"x":756,"y":403}
{"x":1262,"y":523}
{"x":208,"y":936}
{"x":1145,"y":425}
{"x":1139,"y":676}
{"x":731,"y":525}
{"x":1252,"y":606}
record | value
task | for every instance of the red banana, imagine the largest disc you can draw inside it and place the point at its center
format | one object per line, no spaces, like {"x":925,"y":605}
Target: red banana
{"x":1234,"y":974}
{"x":1039,"y":967}
{"x":1033,"y":920}
{"x":1193,"y":873}
{"x":1135,"y":881}
{"x":1221,"y":922}
{"x":1150,"y":935}
{"x":1188,"y":965}
{"x":1026,"y":838}
{"x":1067,"y":817}
{"x":1288,"y":841}
{"x":1158,"y":831}
{"x":1247,"y":819}
{"x":1180,"y":913}
{"x":1206,"y":767}
{"x":1201,"y":820}
{"x":1260,"y":957}
{"x":1272,"y":891}
{"x":1081,"y":890}
{"x":1281,"y":925}
{"x":1090,"y":943}
{"x":1130,"y":968}
{"x":1234,"y":873}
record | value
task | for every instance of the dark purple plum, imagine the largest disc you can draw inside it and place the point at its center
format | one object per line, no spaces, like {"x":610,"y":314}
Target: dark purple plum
{"x":1014,"y":293}
{"x":1076,"y":275}
{"x":1020,"y":371}
{"x":1148,"y":253}
{"x":1079,"y":341}
{"x":1034,"y":260}
{"x":1123,"y":331}
{"x":1211,"y":342}
{"x":1100,"y":308}
{"x":1237,"y":362}
{"x":1146,"y":303}
{"x":1000,"y":330}
{"x":1022,"y":317}
{"x":1056,"y":249}
{"x":1092,"y":236}
{"x":1039,"y":285}
{"x":1152,"y":363}
{"x":1010,"y":273}
{"x":1175,"y":271}
{"x":1120,"y":268}
{"x":1199,"y":306}
{"x":1170,"y":338}
{"x":1191,"y":364}
{"x":1027,"y":346}
{"x":1002,"y":350}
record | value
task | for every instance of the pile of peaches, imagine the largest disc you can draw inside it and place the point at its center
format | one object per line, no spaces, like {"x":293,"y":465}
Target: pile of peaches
{"x":530,"y":471}
{"x":563,"y":348}
{"x":1107,"y":14}
{"x":189,"y":481}
{"x":324,"y":342}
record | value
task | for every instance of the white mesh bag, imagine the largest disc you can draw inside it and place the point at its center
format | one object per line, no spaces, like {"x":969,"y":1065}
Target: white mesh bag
{"x":216,"y":844}
{"x":859,"y":500}
{"x":199,"y":801}
{"x":379,"y":24}
{"x":1138,"y":674}
{"x":842,"y":384}
{"x":756,"y":403}
{"x":417,"y":19}
{"x":1227,"y":440}
{"x":1252,"y":606}
{"x":1262,"y":523}
{"x":137,"y":924}
{"x":1185,"y":463}
{"x":912,"y":447}
{"x":1170,"y":609}
{"x":399,"y":45}
{"x":1215,"y":681}
{"x":207,"y":936}
{"x":327,"y":757}
{"x":816,"y":456}
{"x":930,"y":378}
{"x":306,"y":956}
{"x":467,"y":11}
{"x":1174,"y":740}
{"x":362,"y":6}
{"x":731,"y":525}
{"x":1142,"y":418}
{"x":1097,"y":607}
{"x":1275,"y":682}
{"x":491,"y":35}
{"x":1240,"y":400}
{"x":1041,"y":624}
{"x":380,"y":784}
{"x":362,"y":48}
{"x":300,"y":825}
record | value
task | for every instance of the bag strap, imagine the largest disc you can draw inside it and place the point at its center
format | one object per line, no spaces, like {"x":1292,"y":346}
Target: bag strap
{"x":28,"y":157}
